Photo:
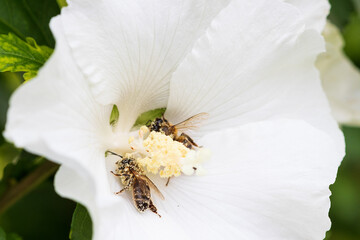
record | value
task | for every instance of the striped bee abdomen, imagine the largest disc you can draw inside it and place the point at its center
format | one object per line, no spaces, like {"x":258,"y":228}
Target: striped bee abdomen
{"x":141,"y":194}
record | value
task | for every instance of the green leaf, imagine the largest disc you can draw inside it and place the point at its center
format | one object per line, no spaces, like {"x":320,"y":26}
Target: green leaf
{"x":28,"y":18}
{"x":114,"y":116}
{"x":345,"y":198}
{"x":17,"y":55}
{"x":9,"y":236}
{"x":15,"y":171}
{"x":340,"y":11}
{"x":2,"y":234}
{"x":40,"y":215}
{"x":62,"y":3}
{"x":8,"y":83}
{"x":357,"y":5}
{"x":145,"y":117}
{"x":13,"y":236}
{"x":8,"y":154}
{"x":81,"y":225}
{"x":352,"y":39}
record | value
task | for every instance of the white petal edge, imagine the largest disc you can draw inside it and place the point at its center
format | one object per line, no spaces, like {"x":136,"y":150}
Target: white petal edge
{"x":340,"y":78}
{"x":55,"y":115}
{"x":253,"y":64}
{"x":314,"y":12}
{"x":128,"y":49}
{"x":266,"y":180}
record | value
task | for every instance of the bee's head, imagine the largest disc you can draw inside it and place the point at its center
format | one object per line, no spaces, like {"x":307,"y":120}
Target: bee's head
{"x":126,"y":161}
{"x":156,"y":124}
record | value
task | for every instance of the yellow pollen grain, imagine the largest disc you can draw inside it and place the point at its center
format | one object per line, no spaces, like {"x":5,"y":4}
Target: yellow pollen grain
{"x":143,"y":131}
{"x":128,"y":155}
{"x":164,"y":155}
{"x":131,"y":139}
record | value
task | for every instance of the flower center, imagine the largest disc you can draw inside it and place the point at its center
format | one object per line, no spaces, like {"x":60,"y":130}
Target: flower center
{"x":160,"y":154}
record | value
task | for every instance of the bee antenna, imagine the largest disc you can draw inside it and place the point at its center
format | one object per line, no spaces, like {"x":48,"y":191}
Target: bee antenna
{"x":114,"y":154}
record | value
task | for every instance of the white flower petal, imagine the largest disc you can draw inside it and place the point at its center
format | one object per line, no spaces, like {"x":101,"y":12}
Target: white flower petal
{"x":252,"y":66}
{"x":314,"y":12}
{"x":266,"y":180}
{"x":128,"y":49}
{"x":340,"y":78}
{"x":76,"y":185}
{"x":55,"y":115}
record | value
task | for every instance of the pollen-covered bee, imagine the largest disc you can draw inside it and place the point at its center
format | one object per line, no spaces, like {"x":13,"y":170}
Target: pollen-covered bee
{"x":133,"y":178}
{"x":164,"y":126}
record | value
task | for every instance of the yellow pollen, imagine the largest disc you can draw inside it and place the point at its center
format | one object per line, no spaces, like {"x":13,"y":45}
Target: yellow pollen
{"x":164,"y":155}
{"x":131,"y":139}
{"x":143,"y":132}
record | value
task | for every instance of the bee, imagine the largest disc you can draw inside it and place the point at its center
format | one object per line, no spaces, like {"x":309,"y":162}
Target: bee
{"x":164,"y":126}
{"x":133,"y":178}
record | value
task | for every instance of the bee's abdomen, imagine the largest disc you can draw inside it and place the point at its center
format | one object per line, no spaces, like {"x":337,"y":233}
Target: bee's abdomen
{"x":141,"y":195}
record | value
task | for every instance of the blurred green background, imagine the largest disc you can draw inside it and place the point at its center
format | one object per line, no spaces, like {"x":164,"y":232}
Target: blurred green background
{"x":42,"y":214}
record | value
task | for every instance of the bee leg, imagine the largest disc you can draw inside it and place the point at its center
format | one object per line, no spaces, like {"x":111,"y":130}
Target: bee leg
{"x":167,"y":182}
{"x":125,"y":188}
{"x":153,"y":208}
{"x":182,"y":139}
{"x":186,"y":140}
{"x":190,"y":139}
{"x":115,"y":174}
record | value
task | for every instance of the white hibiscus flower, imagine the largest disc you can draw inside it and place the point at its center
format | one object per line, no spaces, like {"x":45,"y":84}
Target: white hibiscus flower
{"x":248,"y":64}
{"x":314,"y":12}
{"x":340,"y":78}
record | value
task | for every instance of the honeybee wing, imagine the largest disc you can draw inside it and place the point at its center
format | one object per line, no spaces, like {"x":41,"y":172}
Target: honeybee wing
{"x":151,"y":184}
{"x":192,"y":122}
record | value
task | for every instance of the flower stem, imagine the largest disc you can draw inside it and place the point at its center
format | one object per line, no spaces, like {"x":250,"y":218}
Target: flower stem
{"x":31,"y":181}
